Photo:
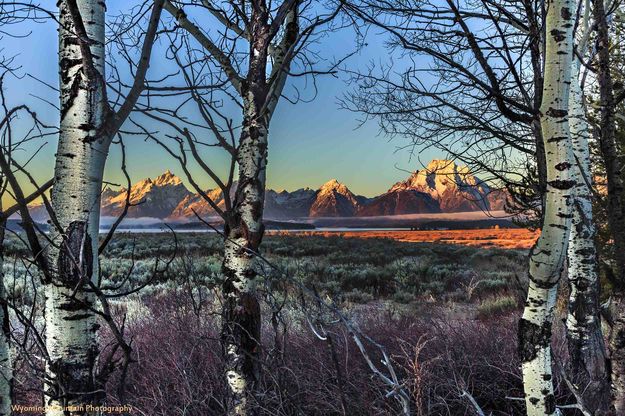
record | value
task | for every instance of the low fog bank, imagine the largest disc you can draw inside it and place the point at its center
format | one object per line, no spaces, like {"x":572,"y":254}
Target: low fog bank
{"x":456,"y":220}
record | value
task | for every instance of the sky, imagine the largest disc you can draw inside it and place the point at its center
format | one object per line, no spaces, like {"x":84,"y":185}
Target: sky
{"x":310,"y":142}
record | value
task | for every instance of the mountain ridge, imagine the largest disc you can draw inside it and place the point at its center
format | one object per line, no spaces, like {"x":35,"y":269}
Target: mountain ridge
{"x":441,"y":187}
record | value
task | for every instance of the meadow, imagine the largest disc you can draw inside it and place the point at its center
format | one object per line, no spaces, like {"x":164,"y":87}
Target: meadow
{"x":493,"y":237}
{"x":446,"y":313}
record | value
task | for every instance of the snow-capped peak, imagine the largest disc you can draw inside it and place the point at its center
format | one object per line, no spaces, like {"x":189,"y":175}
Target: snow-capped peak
{"x":442,"y":186}
{"x":167,"y":178}
{"x":152,"y":197}
{"x":442,"y":167}
{"x":438,"y":177}
{"x":334,"y":185}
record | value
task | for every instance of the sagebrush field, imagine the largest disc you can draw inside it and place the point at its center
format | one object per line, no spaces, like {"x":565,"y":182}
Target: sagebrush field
{"x":447,"y":315}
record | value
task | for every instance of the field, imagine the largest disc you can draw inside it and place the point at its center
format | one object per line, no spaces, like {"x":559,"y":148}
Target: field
{"x":511,"y":238}
{"x":445,"y":313}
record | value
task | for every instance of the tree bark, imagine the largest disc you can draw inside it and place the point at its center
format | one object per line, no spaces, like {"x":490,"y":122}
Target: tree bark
{"x":6,"y":365}
{"x":615,"y":203}
{"x":607,"y":143}
{"x":244,"y":232}
{"x":244,"y":227}
{"x":71,"y":324}
{"x":541,"y":164}
{"x":589,"y":369}
{"x":547,"y":256}
{"x":616,"y":348}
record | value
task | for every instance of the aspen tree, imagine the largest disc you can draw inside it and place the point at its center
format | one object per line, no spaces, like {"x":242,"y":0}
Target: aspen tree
{"x":87,"y":125}
{"x":272,"y":33}
{"x":585,"y":337}
{"x":548,"y":255}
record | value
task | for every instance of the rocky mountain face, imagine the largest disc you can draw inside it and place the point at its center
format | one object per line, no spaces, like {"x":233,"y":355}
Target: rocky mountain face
{"x":442,"y":186}
{"x":334,"y":199}
{"x":149,"y":197}
{"x":193,"y":204}
{"x":284,"y":204}
{"x":408,"y":201}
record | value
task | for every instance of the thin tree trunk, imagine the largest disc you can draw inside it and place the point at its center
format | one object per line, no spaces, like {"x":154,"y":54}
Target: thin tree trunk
{"x":586,"y":345}
{"x":71,"y":324}
{"x":6,"y":365}
{"x":536,"y":60}
{"x":607,"y":142}
{"x":547,"y":257}
{"x":615,"y":205}
{"x":244,"y":232}
{"x":244,"y":227}
{"x":616,"y":348}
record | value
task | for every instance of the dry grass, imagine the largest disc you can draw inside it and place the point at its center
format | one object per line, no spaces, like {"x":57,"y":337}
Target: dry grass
{"x":509,"y":238}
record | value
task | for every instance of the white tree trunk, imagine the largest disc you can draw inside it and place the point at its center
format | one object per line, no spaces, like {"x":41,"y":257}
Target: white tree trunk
{"x":583,"y":324}
{"x":71,"y":324}
{"x":244,"y":227}
{"x":6,"y":365}
{"x":548,"y":255}
{"x":244,"y":232}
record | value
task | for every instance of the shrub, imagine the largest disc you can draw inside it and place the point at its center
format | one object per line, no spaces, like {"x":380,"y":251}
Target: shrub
{"x":491,"y":286}
{"x":358,"y":296}
{"x":433,"y":288}
{"x":496,"y":306}
{"x":435,"y":348}
{"x":403,"y":297}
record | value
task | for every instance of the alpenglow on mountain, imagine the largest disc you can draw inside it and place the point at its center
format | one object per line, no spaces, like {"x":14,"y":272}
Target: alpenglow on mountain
{"x":442,"y":186}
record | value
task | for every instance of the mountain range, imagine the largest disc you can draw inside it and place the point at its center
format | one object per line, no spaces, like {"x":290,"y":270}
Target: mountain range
{"x":442,"y":187}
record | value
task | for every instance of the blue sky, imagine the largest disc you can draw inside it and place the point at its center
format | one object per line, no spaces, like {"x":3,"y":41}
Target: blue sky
{"x":310,"y":143}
